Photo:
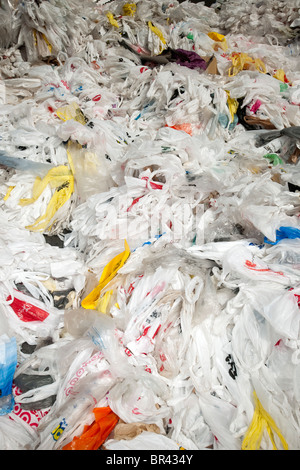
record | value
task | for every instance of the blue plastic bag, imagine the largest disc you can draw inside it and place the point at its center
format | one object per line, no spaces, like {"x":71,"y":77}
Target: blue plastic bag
{"x":8,"y":364}
{"x":284,"y":232}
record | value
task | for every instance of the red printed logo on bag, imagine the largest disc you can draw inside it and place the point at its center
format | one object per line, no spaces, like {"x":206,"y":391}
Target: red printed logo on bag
{"x":254,"y":267}
{"x":26,"y":311}
{"x":97,"y":98}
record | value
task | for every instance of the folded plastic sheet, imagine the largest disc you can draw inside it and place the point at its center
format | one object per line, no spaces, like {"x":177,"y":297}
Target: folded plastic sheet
{"x":163,"y":282}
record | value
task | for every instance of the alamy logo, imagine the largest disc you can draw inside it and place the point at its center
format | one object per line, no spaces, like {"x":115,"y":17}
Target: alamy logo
{"x":179,"y":221}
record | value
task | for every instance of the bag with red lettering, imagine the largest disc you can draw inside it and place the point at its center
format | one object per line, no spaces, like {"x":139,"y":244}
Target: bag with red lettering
{"x":29,"y":318}
{"x":83,"y":380}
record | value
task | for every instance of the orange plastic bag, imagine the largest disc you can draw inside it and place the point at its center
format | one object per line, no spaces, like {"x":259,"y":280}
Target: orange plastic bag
{"x":95,"y":435}
{"x":186,"y":127}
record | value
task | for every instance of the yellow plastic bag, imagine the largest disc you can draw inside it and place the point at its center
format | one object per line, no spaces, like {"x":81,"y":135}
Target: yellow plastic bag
{"x":103,"y":302}
{"x":71,"y":111}
{"x":220,"y":39}
{"x":261,"y":421}
{"x":35,"y":36}
{"x":129,"y":9}
{"x":233,"y":105}
{"x":60,"y":178}
{"x":8,"y":193}
{"x":242,"y":61}
{"x":158,"y":33}
{"x":280,"y":75}
{"x":111,"y":19}
{"x":49,"y":45}
{"x":108,"y":273}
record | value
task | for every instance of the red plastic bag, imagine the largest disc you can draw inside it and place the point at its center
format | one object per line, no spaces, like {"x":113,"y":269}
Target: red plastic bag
{"x":26,"y":311}
{"x":95,"y":434}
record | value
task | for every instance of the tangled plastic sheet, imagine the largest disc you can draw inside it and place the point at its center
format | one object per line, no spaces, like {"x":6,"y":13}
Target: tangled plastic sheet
{"x":149,"y":225}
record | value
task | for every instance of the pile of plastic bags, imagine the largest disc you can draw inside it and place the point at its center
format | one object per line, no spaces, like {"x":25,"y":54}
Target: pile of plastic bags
{"x":149,"y":225}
